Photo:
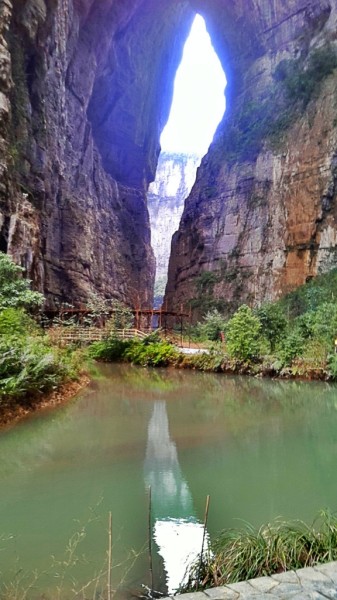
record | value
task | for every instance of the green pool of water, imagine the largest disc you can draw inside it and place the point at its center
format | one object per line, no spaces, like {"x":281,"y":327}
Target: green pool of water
{"x":259,"y":448}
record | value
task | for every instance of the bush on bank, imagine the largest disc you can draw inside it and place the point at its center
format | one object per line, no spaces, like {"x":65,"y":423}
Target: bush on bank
{"x":149,"y":352}
{"x":278,"y":546}
{"x":15,"y":291}
{"x":293,"y":336}
{"x":30,"y":365}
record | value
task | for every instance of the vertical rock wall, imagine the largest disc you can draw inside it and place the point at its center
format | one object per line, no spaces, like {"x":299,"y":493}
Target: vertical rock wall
{"x":80,"y":117}
{"x":262,"y":216}
{"x":175,"y":177}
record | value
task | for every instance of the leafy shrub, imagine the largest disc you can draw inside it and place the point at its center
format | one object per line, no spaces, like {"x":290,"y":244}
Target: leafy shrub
{"x":205,"y":299}
{"x":324,"y":326}
{"x":301,"y":82}
{"x":151,"y":351}
{"x":332,"y":366}
{"x":212,"y":362}
{"x":243,"y":334}
{"x":16,"y":321}
{"x":319,"y":325}
{"x":212,"y":325}
{"x":109,"y":350}
{"x":291,"y":346}
{"x":15,"y":291}
{"x":315,"y":353}
{"x":310,"y":296}
{"x":273,"y":323}
{"x":30,"y":366}
{"x":206,"y":281}
{"x":153,"y":354}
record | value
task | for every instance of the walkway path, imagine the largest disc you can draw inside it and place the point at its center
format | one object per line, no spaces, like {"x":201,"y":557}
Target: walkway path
{"x":193,"y":350}
{"x":314,"y":583}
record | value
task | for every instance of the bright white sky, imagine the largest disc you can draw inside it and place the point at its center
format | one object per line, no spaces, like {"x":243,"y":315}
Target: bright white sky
{"x":198,"y":101}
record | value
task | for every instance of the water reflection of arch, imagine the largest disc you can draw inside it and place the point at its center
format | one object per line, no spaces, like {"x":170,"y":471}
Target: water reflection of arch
{"x":176,"y":530}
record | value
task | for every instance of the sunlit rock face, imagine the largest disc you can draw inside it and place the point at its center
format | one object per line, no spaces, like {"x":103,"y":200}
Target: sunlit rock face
{"x":262,"y":215}
{"x":175,"y":177}
{"x":85,"y":90}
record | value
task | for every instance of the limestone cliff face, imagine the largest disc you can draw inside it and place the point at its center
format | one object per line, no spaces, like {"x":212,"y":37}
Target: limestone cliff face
{"x":261,"y":218}
{"x":79,"y":127}
{"x":175,"y":177}
{"x":85,"y":89}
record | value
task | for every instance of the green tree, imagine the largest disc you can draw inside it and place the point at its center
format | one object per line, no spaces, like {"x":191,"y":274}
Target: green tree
{"x":273,"y":323}
{"x":15,"y":321}
{"x":243,"y":334}
{"x":122,"y":316}
{"x":213,"y":324}
{"x":320,"y":324}
{"x":325,"y":323}
{"x":15,"y":291}
{"x":292,"y":346}
{"x":116,"y":313}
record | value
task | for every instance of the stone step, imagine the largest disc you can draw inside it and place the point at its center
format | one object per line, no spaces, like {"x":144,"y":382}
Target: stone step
{"x":319,"y":582}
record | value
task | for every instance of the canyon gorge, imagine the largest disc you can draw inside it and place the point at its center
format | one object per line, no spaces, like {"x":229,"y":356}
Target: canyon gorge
{"x":85,"y":91}
{"x":175,"y":176}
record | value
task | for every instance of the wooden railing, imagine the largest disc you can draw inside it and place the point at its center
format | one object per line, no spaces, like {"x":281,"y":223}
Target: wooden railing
{"x":92,"y":334}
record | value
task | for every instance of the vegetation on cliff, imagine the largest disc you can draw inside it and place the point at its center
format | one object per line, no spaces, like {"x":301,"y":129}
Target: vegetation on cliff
{"x":295,"y":83}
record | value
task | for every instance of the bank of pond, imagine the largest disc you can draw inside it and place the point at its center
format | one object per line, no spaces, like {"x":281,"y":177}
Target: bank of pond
{"x":260,"y":448}
{"x":156,"y":352}
{"x":35,"y":371}
{"x":295,"y":337}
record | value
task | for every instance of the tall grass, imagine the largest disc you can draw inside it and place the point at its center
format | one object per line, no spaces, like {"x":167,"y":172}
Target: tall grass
{"x":278,"y":546}
{"x":59,"y":580}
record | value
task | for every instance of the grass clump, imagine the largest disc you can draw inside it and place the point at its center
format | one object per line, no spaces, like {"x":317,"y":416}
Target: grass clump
{"x":278,"y":546}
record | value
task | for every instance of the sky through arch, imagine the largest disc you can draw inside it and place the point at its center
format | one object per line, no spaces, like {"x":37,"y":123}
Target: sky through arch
{"x":198,"y":100}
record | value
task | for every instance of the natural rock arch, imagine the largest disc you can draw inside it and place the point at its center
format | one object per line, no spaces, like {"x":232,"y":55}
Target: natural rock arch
{"x":79,"y":135}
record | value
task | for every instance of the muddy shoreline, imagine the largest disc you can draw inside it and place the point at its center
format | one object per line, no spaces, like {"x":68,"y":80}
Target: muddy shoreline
{"x":10,"y":415}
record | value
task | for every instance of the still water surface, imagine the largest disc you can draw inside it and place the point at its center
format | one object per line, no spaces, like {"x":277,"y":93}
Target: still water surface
{"x":259,"y":448}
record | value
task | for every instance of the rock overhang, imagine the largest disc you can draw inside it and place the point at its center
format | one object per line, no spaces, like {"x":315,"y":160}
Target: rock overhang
{"x":98,"y":97}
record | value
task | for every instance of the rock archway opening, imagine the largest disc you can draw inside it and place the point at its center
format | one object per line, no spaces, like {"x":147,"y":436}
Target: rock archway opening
{"x":197,"y":108}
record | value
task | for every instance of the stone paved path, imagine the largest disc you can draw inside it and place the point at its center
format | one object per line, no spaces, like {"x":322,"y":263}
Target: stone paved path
{"x":312,"y":583}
